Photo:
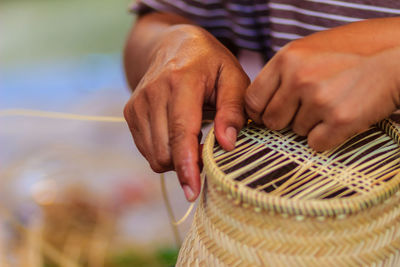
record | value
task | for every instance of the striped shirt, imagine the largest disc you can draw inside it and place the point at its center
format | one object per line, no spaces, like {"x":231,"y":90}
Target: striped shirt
{"x":267,"y":25}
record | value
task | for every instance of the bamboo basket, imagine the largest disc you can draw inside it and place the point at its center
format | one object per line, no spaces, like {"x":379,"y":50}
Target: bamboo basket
{"x":273,"y":201}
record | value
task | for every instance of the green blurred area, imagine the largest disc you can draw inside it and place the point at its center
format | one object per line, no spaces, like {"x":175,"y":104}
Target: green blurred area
{"x":37,"y":30}
{"x":163,"y":257}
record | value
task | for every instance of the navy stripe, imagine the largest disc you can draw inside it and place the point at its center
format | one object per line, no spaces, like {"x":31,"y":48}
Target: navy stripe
{"x":266,"y":24}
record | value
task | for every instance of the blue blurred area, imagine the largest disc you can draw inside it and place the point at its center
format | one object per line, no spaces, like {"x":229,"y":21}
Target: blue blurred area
{"x":54,"y":84}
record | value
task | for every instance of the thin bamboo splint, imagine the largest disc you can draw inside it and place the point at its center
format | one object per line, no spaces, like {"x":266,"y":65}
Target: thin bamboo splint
{"x":273,"y":201}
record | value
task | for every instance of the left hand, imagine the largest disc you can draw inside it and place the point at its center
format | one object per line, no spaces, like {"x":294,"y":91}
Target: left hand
{"x":325,"y":94}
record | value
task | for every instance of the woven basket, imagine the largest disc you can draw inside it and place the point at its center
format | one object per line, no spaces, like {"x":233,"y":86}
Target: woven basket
{"x":273,"y":201}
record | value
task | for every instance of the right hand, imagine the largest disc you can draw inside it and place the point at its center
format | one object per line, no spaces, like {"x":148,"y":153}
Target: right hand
{"x":189,"y":68}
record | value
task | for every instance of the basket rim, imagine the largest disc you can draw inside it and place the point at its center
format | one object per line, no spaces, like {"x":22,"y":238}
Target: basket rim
{"x":310,"y":207}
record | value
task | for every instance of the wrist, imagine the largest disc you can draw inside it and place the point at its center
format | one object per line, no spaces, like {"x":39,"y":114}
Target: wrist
{"x":142,"y":40}
{"x":388,"y":63}
{"x":394,"y":60}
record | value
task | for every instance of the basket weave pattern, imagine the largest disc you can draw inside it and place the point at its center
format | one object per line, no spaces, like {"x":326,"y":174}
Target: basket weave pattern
{"x":228,"y":233}
{"x":236,"y":225}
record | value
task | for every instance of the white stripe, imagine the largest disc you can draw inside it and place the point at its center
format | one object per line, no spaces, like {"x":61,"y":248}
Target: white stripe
{"x":198,"y":11}
{"x":276,"y":48}
{"x":186,"y":8}
{"x":312,"y":13}
{"x":284,"y":35}
{"x":360,"y":6}
{"x":297,"y":23}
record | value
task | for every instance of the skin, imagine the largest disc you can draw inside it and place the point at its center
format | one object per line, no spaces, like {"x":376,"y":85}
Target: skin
{"x":176,"y":68}
{"x":328,"y":86}
{"x":332,"y":84}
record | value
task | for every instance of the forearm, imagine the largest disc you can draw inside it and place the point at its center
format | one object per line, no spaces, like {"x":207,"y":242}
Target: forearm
{"x":378,"y":39}
{"x":364,"y":37}
{"x":143,"y":39}
{"x":389,"y":61}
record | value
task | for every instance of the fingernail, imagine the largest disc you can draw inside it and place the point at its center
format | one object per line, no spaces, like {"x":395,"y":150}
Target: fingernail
{"x":188,"y":192}
{"x":231,"y":134}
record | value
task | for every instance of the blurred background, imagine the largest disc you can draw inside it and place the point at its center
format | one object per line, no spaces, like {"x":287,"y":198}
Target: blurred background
{"x":75,"y":193}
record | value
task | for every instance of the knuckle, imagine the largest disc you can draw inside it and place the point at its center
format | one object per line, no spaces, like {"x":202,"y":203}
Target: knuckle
{"x":137,"y":97}
{"x":177,"y":132}
{"x":269,"y":121}
{"x":135,"y":113}
{"x":275,"y":105}
{"x":272,"y":117}
{"x":160,"y":163}
{"x":301,"y":80}
{"x":157,"y":167}
{"x":319,"y":99}
{"x":239,"y":76}
{"x":130,"y":113}
{"x":253,"y":105}
{"x":304,"y":80}
{"x":341,"y":117}
{"x":163,"y":158}
{"x":236,"y":119}
{"x":299,"y":129}
{"x":232,"y":106}
{"x":176,"y":73}
{"x":149,"y":92}
{"x":290,"y":54}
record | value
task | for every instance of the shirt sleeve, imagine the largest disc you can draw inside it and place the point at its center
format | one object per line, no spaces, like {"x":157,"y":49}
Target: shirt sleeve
{"x":142,"y":7}
{"x":233,"y":27}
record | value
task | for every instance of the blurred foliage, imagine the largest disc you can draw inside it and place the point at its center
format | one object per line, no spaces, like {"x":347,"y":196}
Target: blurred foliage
{"x":167,"y":256}
{"x":163,"y":257}
{"x":35,"y":30}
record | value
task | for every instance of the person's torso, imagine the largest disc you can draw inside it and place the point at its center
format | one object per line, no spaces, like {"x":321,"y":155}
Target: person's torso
{"x":267,"y":25}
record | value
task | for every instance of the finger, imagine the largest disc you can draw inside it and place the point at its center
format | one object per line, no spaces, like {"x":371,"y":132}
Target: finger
{"x":305,"y":120}
{"x":184,"y":123}
{"x":326,"y":136}
{"x":281,"y":109}
{"x":230,"y":116}
{"x":159,"y":131}
{"x":136,"y":115}
{"x":260,"y":91}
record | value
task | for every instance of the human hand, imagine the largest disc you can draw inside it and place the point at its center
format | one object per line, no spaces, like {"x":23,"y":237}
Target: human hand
{"x":326,"y":94}
{"x":189,"y":68}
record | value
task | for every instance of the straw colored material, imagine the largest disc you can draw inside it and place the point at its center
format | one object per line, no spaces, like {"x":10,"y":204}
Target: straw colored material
{"x":273,"y":201}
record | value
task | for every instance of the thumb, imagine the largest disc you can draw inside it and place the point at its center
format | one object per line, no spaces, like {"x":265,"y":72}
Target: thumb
{"x":230,"y":116}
